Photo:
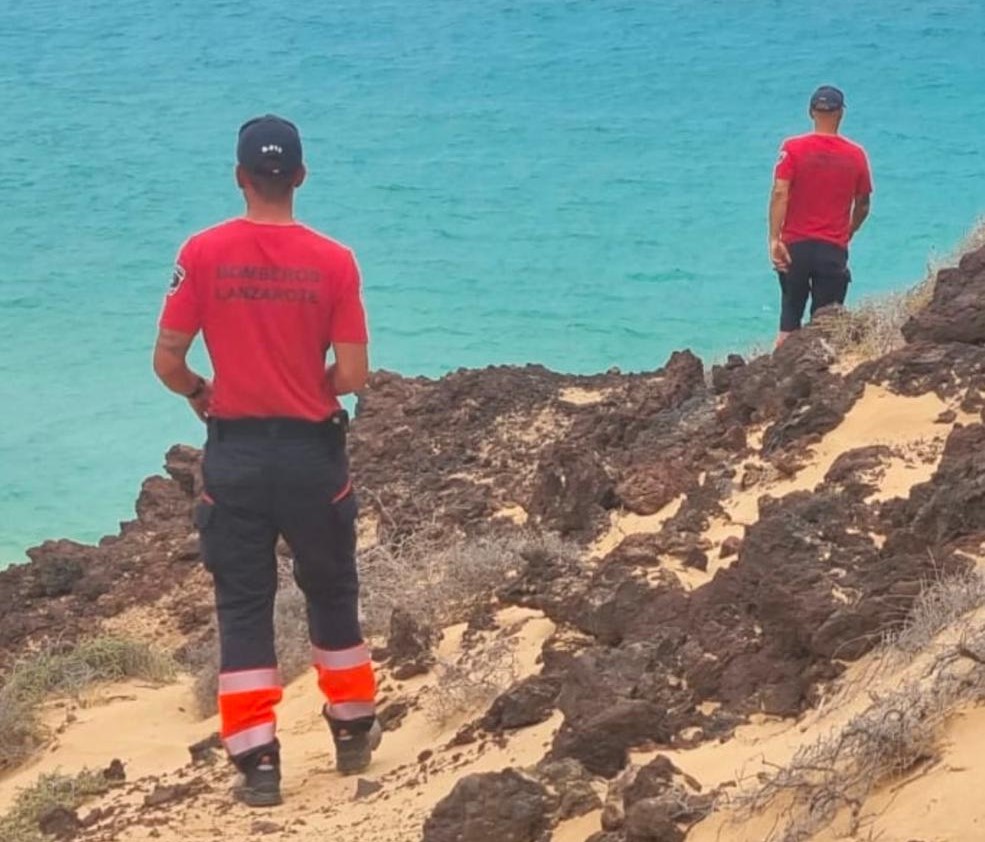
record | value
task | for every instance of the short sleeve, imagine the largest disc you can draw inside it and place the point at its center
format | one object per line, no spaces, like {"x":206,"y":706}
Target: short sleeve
{"x":348,"y":318}
{"x":182,"y":309}
{"x":863,"y":186}
{"x":784,"y":163}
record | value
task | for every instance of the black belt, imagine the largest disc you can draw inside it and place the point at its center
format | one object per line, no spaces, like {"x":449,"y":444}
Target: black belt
{"x":333,"y":427}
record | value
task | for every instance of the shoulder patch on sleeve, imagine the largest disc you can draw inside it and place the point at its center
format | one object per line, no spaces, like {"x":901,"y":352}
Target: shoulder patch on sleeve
{"x":782,"y":156}
{"x":176,"y":278}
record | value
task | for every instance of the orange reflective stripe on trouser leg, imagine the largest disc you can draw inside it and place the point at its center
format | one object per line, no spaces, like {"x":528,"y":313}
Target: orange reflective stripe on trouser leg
{"x":346,"y":678}
{"x":247,"y":699}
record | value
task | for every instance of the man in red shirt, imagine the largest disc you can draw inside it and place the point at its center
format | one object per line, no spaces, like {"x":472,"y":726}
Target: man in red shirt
{"x":271,"y":296}
{"x":820,"y":198}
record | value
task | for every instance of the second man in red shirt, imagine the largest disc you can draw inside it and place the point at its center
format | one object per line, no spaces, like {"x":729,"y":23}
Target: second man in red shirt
{"x":820,"y":199}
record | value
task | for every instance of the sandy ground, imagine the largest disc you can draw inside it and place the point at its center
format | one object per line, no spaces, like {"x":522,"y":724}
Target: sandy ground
{"x":150,"y":728}
{"x":147,"y":727}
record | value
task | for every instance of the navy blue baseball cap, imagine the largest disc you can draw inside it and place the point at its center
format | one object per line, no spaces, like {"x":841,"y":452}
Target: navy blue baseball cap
{"x":827,"y":98}
{"x":269,"y":145}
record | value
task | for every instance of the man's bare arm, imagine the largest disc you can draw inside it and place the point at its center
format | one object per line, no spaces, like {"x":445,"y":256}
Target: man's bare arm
{"x":350,"y":370}
{"x":860,"y":210}
{"x":779,"y":200}
{"x":170,"y":363}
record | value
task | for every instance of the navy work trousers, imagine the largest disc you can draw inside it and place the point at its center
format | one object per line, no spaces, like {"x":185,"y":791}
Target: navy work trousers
{"x":265,"y":478}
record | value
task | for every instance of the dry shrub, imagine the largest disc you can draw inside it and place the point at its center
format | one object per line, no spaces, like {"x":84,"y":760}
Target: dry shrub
{"x":837,"y":772}
{"x":873,"y":327}
{"x":58,"y":670}
{"x":939,"y":606}
{"x":898,"y":733}
{"x":48,"y":793}
{"x":472,"y":681}
{"x":440,"y":582}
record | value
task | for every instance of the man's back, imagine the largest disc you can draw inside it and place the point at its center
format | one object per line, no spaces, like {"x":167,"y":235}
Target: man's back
{"x":826,"y":173}
{"x":270,"y":299}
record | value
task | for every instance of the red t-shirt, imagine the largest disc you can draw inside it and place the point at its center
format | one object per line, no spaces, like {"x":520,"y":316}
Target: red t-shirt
{"x":826,"y":174}
{"x":270,"y":300}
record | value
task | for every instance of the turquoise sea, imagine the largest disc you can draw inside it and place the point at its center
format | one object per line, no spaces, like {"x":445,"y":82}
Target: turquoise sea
{"x":581,"y":184}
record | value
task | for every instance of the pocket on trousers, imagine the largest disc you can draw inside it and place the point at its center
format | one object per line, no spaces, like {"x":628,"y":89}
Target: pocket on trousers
{"x":345,"y":511}
{"x":346,"y":508}
{"x":203,"y":514}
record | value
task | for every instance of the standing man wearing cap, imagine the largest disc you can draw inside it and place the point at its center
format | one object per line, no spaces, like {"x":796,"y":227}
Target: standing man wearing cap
{"x":821,"y":197}
{"x":271,"y":296}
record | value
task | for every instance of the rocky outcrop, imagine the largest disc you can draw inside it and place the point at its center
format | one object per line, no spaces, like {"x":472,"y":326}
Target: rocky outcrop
{"x":815,"y":581}
{"x":495,"y":807}
{"x":956,"y":312}
{"x":69,"y":587}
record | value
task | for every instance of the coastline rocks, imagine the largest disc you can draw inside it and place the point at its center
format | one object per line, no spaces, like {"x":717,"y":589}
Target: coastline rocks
{"x":794,"y":388}
{"x":956,"y":312}
{"x":67,"y":586}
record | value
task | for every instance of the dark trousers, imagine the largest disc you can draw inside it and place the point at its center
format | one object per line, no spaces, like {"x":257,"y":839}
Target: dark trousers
{"x":819,"y":271}
{"x":263,"y":480}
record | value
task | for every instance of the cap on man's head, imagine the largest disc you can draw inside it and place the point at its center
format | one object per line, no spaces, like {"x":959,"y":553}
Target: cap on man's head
{"x":827,"y":98}
{"x":269,"y":145}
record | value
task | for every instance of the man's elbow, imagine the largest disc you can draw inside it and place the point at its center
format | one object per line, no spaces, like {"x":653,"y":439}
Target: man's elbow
{"x":165,"y":366}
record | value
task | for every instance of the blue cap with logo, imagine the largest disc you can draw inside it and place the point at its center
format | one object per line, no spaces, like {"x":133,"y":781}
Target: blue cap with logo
{"x":827,"y":98}
{"x":269,"y":145}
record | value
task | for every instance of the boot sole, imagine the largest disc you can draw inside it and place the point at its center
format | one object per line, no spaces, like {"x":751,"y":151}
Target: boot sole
{"x":255,"y":798}
{"x":356,"y":763}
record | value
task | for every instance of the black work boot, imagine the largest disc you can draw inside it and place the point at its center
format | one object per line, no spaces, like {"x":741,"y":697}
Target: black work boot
{"x":260,"y":783}
{"x":355,"y":742}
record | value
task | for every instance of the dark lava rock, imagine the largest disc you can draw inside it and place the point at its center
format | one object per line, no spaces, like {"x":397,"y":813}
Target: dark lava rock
{"x":648,"y":487}
{"x":857,"y":471}
{"x":652,"y":780}
{"x":956,"y":313}
{"x":615,"y":699}
{"x":204,"y":751}
{"x":696,"y":559}
{"x":923,"y":367}
{"x":366,"y":788}
{"x":950,"y":505}
{"x":642,"y":549}
{"x":730,"y":547}
{"x":392,"y":716}
{"x":162,"y":795}
{"x":68,"y":587}
{"x":411,"y":669}
{"x":571,"y":490}
{"x":493,"y":807}
{"x":60,"y":823}
{"x":794,"y":388}
{"x":409,"y":640}
{"x":650,"y":821}
{"x":115,"y":772}
{"x":58,"y":567}
{"x":526,"y":703}
{"x":721,"y":375}
{"x":572,"y":784}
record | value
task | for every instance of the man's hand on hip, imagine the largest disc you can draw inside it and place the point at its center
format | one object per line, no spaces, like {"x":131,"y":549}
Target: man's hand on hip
{"x":200,"y":402}
{"x":779,"y":255}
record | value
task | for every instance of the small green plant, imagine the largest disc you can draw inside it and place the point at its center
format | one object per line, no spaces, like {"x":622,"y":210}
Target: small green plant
{"x":58,"y":670}
{"x":48,"y":793}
